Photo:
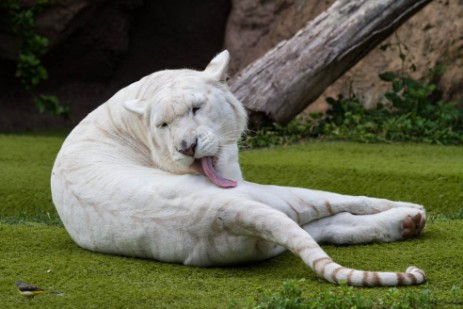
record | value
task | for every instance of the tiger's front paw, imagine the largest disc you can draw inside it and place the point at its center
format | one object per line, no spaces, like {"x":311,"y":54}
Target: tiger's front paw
{"x":413,"y":225}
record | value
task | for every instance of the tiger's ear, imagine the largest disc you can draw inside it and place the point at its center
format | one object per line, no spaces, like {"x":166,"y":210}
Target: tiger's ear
{"x":136,"y":106}
{"x":218,"y":67}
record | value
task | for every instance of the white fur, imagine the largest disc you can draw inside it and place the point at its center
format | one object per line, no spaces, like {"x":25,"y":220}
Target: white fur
{"x":121,"y":186}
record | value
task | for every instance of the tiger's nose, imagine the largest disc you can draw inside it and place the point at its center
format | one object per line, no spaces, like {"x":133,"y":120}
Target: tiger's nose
{"x":188,"y":150}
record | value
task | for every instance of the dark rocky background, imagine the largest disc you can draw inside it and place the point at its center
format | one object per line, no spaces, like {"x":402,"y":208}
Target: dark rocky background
{"x":97,"y":47}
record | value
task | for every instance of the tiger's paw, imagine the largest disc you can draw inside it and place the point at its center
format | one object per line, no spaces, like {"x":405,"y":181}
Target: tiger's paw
{"x":412,"y":225}
{"x":402,"y":223}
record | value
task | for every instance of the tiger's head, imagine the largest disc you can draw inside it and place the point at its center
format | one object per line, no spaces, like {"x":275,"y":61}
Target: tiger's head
{"x":194,"y":121}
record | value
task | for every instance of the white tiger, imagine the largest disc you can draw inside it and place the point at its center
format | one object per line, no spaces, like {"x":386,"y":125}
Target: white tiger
{"x":154,"y":173}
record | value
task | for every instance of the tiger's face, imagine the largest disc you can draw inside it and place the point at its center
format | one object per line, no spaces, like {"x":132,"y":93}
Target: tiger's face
{"x":194,"y":121}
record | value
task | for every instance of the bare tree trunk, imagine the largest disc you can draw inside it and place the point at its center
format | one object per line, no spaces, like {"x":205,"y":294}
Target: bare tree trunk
{"x":282,"y":83}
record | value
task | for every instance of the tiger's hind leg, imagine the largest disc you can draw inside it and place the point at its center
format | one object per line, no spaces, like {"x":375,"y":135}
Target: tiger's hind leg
{"x":346,"y":228}
{"x":305,"y":205}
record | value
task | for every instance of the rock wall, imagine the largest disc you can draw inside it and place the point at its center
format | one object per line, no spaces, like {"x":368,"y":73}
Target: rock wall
{"x":255,"y":26}
{"x":99,"y":46}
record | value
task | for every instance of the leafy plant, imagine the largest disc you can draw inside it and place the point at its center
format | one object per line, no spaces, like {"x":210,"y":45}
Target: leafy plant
{"x":410,"y":95}
{"x":276,"y":134}
{"x":411,"y":115}
{"x":50,"y":103}
{"x":407,"y":115}
{"x":348,"y":119}
{"x":30,"y":69}
{"x":290,"y":296}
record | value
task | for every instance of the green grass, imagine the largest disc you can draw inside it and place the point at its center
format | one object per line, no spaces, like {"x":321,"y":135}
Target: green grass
{"x":25,"y":165}
{"x":426,"y":174}
{"x":35,"y":248}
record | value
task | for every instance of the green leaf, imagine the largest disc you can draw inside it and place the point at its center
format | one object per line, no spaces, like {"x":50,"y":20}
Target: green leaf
{"x":330,"y":101}
{"x":410,"y":83}
{"x":397,"y":85}
{"x":393,"y":97}
{"x":388,"y":76}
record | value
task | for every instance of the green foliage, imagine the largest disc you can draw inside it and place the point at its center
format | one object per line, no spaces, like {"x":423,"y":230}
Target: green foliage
{"x":50,"y":103}
{"x":30,"y":69}
{"x":287,"y":296}
{"x":410,"y":117}
{"x":276,"y":134}
{"x":412,"y":96}
{"x":396,"y":299}
{"x":290,"y":296}
{"x":409,"y":113}
{"x":348,"y":119}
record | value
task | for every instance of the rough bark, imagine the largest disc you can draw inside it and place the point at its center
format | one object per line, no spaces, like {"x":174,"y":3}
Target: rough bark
{"x":282,"y":83}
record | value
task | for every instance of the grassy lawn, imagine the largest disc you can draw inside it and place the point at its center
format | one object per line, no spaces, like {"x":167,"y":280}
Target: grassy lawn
{"x":35,"y":248}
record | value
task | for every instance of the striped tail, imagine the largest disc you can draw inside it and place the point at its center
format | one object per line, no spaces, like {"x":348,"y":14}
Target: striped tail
{"x":335,"y":273}
{"x":276,"y":227}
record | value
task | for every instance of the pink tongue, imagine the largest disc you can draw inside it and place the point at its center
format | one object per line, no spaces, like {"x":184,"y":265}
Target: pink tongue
{"x":211,"y":173}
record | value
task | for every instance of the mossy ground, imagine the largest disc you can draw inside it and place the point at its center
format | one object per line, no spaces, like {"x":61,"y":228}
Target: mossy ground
{"x":35,"y":248}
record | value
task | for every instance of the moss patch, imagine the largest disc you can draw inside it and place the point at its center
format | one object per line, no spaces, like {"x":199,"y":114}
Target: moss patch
{"x":43,"y":254}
